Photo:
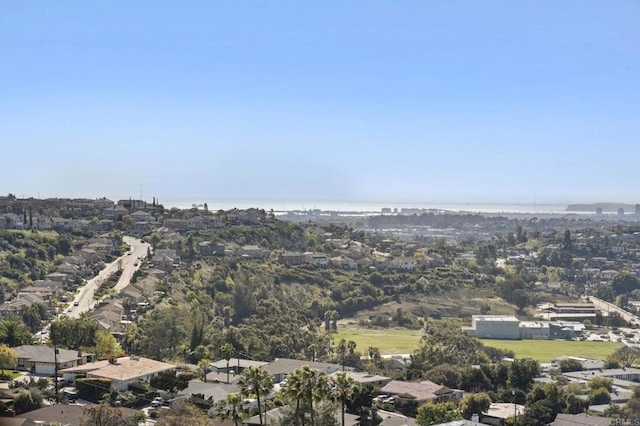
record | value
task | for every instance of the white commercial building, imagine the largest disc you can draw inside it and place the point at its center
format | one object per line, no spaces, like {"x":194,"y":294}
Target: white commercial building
{"x":496,"y":326}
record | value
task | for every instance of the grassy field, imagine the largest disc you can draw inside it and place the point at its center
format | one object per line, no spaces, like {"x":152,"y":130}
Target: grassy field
{"x":389,"y":341}
{"x":546,"y":350}
{"x":403,"y":341}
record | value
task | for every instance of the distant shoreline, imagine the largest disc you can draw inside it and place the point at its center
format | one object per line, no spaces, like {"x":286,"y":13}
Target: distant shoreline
{"x":304,"y":206}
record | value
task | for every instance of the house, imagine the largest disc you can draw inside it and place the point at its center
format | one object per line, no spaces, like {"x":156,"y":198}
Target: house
{"x":122,"y":372}
{"x":167,"y":252}
{"x":62,"y":224}
{"x":420,"y":392}
{"x":364,"y":378}
{"x":57,"y":277}
{"x":318,"y":259}
{"x":196,"y":222}
{"x":67,"y":414}
{"x":11,"y":221}
{"x":13,"y":308}
{"x":42,"y":360}
{"x":208,"y":248}
{"x":581,"y":419}
{"x":281,"y":367}
{"x":275,"y":416}
{"x":343,"y":262}
{"x":102,"y":203}
{"x":164,"y":263}
{"x":236,"y":364}
{"x":67,"y":268}
{"x":44,"y":293}
{"x":291,"y":258}
{"x":115,"y":212}
{"x":404,"y":263}
{"x":251,"y":252}
{"x":499,"y":412}
{"x":396,"y":363}
{"x":141,"y":216}
{"x":132,"y":204}
{"x":109,"y":317}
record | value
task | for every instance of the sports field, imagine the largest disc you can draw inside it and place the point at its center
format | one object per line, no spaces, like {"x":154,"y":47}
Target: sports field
{"x":389,"y":341}
{"x":403,"y":341}
{"x":546,"y":350}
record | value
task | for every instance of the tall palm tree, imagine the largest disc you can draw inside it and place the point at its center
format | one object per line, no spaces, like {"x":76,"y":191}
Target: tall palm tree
{"x":227,"y":351}
{"x":342,"y":389}
{"x":294,"y":391}
{"x":14,"y":333}
{"x":229,"y":408}
{"x":342,"y":350}
{"x":258,"y":382}
{"x":204,"y":363}
{"x":314,"y":387}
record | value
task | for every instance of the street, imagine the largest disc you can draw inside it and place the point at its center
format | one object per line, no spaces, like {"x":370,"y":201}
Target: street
{"x":127,"y":262}
{"x":607,"y":307}
{"x":84,"y":297}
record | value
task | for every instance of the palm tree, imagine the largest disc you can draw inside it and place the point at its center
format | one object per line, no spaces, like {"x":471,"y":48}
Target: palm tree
{"x":258,"y":382}
{"x":342,"y":389}
{"x":229,"y":408}
{"x":294,"y":391}
{"x":342,"y":350}
{"x":227,"y":352}
{"x":314,"y":387}
{"x":374,"y":355}
{"x":204,"y":363}
{"x":14,"y":333}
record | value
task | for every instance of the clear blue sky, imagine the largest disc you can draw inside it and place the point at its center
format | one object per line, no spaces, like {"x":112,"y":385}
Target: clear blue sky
{"x":358,"y":101}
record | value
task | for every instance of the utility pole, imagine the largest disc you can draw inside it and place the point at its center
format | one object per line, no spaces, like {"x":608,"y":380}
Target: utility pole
{"x":55,"y":369}
{"x":515,"y":411}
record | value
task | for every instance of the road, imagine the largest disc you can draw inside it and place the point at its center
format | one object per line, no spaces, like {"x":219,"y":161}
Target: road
{"x":604,"y":306}
{"x":128,"y":263}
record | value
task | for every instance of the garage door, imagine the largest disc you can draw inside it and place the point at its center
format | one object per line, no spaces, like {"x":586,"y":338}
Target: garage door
{"x":45,"y":369}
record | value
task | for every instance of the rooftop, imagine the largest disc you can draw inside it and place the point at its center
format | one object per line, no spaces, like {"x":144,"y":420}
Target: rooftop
{"x":125,"y":368}
{"x":495,"y":318}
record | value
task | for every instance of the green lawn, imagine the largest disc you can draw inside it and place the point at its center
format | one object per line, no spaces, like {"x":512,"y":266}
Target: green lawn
{"x":546,"y":350}
{"x":403,"y":341}
{"x":389,"y":341}
{"x":10,"y":375}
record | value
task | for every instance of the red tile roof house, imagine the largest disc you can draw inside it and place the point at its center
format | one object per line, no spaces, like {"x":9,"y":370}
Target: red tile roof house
{"x":420,"y":392}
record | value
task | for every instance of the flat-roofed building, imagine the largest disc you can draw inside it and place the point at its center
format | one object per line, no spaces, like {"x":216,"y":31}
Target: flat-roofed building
{"x":534,"y":330}
{"x":495,"y":326}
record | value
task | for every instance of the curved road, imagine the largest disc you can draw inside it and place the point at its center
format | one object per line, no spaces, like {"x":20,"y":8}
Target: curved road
{"x":128,"y":263}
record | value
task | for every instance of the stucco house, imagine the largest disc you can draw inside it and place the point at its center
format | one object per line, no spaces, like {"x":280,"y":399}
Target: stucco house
{"x":420,"y":392}
{"x":42,"y":360}
{"x":122,"y":372}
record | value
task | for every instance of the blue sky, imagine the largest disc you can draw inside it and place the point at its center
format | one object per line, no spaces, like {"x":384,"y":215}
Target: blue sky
{"x":416,"y":102}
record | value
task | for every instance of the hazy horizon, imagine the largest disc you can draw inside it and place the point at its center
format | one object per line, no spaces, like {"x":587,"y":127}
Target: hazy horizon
{"x":385,"y":102}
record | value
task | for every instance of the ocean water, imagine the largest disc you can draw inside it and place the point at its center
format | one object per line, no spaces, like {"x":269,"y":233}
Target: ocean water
{"x":280,"y":206}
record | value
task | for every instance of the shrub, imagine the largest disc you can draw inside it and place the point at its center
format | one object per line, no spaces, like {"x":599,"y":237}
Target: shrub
{"x":93,"y":389}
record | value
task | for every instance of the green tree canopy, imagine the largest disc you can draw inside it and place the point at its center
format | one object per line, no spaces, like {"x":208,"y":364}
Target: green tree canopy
{"x":436,"y":413}
{"x":73,"y":333}
{"x":8,"y":357}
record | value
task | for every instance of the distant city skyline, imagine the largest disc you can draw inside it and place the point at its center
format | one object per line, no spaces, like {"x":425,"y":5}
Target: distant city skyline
{"x":412,"y":102}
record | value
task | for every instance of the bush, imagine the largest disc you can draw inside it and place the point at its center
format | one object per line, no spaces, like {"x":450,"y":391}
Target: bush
{"x":28,"y":401}
{"x":93,"y":389}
